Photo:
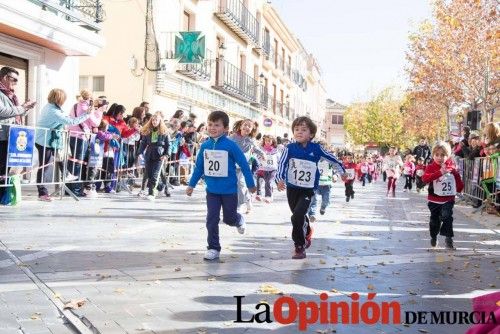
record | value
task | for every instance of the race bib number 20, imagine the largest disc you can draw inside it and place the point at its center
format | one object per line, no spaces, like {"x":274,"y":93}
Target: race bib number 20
{"x":215,"y":163}
{"x":302,"y":173}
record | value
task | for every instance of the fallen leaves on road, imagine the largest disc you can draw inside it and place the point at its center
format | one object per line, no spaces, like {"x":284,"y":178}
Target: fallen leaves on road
{"x":35,"y":316}
{"x":269,"y":289}
{"x":211,"y":279}
{"x":177,"y":269}
{"x":74,"y":304}
{"x":371,"y":287}
{"x":119,"y":290}
{"x":321,"y":261}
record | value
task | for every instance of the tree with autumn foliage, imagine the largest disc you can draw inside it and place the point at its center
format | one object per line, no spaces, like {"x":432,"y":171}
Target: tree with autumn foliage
{"x":380,"y":121}
{"x":454,"y":62}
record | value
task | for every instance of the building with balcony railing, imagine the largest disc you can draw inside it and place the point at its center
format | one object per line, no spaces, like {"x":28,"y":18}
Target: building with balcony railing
{"x":44,"y":41}
{"x":234,"y":55}
{"x":334,"y":124}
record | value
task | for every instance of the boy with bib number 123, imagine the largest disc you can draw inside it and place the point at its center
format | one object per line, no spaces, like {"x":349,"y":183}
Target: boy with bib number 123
{"x":444,"y":183}
{"x":217,"y":161}
{"x":298,"y":174}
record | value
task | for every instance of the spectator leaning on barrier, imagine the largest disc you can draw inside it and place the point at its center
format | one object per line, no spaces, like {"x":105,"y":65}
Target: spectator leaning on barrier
{"x":80,"y":135}
{"x":9,"y":109}
{"x":53,"y":119}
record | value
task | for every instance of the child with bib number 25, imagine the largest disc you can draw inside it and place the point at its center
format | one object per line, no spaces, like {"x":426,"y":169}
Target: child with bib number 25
{"x":217,"y":161}
{"x":298,"y":174}
{"x":444,"y":183}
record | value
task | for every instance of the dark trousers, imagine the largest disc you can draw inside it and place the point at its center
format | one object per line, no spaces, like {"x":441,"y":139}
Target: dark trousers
{"x":370,"y":177}
{"x":229,"y":205}
{"x":299,"y":201}
{"x":78,"y":148}
{"x":107,"y":172}
{"x":349,"y":191}
{"x":441,"y":213}
{"x":408,"y":181}
{"x":268,"y":178}
{"x":384,"y":176}
{"x":44,"y":156}
{"x":3,"y":165}
{"x":91,"y":174}
{"x":419,"y":183}
{"x":153,"y":169}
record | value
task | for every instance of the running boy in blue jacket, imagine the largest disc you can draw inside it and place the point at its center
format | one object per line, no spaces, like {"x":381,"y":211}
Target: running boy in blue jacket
{"x":217,"y":161}
{"x":298,"y":174}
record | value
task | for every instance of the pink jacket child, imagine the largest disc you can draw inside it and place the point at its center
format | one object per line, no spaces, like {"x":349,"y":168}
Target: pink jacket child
{"x":85,"y":128}
{"x":409,"y":168}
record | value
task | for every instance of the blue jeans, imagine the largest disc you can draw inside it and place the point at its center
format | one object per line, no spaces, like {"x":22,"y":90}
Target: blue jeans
{"x":324,"y":191}
{"x":229,"y":204}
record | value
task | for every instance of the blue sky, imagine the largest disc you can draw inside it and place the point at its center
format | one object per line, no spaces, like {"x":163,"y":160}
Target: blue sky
{"x":360,"y":44}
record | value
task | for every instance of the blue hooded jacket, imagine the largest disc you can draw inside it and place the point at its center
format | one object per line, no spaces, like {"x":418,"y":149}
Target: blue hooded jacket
{"x":222,"y":185}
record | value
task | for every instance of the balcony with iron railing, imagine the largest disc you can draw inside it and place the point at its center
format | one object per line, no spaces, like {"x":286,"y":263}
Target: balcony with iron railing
{"x":86,"y":13}
{"x":237,"y":17}
{"x":266,"y":45}
{"x":235,"y":82}
{"x":264,"y":97}
{"x":198,"y":71}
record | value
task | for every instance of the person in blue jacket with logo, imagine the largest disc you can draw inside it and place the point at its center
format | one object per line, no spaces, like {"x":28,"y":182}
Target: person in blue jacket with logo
{"x":298,"y":173}
{"x":217,"y":161}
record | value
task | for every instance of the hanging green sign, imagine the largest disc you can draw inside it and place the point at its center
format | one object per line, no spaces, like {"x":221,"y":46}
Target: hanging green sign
{"x":190,"y":47}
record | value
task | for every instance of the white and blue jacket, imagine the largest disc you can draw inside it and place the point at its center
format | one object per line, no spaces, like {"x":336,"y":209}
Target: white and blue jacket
{"x":311,"y":152}
{"x":222,"y":185}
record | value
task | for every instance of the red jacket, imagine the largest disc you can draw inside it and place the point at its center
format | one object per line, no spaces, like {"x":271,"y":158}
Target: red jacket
{"x":419,"y":167}
{"x":350,"y":165}
{"x":433,"y":172}
{"x":124,"y":129}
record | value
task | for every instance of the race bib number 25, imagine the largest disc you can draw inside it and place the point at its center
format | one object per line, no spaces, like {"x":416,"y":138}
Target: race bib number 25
{"x":445,"y":186}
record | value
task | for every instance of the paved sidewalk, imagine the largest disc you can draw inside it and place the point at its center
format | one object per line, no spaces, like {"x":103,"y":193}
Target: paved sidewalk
{"x":139,"y":264}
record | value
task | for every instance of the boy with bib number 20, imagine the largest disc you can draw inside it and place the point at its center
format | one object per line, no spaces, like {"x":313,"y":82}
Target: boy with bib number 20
{"x":217,"y":161}
{"x":298,"y":174}
{"x":444,"y":183}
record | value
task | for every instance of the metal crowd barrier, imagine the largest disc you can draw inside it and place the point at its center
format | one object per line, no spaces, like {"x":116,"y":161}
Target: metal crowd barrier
{"x":481,"y":181}
{"x":81,"y":161}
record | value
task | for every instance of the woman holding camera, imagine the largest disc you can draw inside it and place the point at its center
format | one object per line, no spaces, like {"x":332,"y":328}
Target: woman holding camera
{"x":52,"y":120}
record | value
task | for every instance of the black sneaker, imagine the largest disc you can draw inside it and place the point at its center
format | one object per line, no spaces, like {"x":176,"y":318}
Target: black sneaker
{"x":347,"y":199}
{"x":433,"y":242}
{"x":300,"y":253}
{"x":352,"y":196}
{"x":449,"y":243}
{"x":322,"y":211}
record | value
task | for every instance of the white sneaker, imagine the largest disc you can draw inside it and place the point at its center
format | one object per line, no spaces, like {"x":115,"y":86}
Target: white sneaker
{"x":243,"y":226}
{"x":70,"y":177}
{"x":211,"y":254}
{"x":142,"y":194}
{"x":92,"y":193}
{"x":249,"y":207}
{"x":151,"y":198}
